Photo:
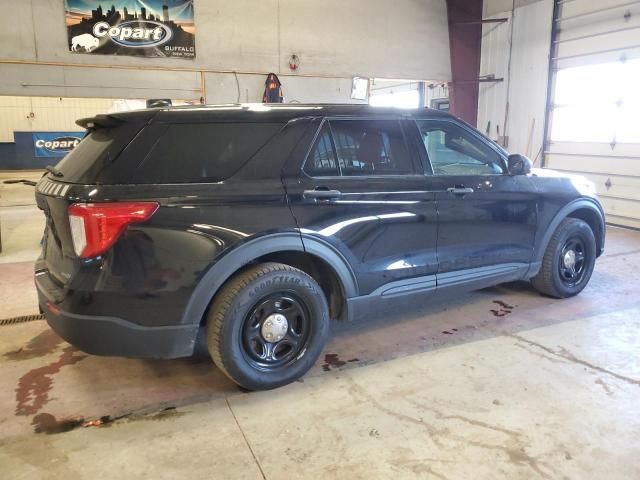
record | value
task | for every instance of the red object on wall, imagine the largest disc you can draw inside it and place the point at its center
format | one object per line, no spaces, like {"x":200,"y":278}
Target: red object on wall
{"x":465,"y":39}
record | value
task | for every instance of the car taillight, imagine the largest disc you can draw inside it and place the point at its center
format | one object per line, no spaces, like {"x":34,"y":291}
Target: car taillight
{"x":95,"y":227}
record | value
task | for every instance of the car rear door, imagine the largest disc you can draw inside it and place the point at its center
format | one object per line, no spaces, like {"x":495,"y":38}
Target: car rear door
{"x":486,"y":217}
{"x":362,"y":190}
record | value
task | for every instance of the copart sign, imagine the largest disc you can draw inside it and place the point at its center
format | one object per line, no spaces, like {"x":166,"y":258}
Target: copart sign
{"x":149,"y":28}
{"x":55,"y":144}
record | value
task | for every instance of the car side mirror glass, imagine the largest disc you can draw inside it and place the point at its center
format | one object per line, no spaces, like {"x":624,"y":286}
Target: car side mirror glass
{"x":519,"y":164}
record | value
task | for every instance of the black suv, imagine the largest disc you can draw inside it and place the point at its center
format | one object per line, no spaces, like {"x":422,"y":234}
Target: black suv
{"x":256,"y":225}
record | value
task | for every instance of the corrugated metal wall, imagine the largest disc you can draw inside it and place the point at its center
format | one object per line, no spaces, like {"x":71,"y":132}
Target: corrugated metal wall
{"x":592,"y":33}
{"x":523,"y":90}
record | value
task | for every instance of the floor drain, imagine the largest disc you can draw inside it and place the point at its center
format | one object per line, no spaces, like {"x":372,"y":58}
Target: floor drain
{"x":23,"y":319}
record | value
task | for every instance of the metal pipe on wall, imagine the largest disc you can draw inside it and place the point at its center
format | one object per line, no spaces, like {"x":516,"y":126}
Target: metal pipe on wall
{"x":164,"y":69}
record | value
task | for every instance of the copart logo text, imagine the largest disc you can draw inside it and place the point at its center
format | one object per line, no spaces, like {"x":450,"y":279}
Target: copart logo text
{"x":136,"y":34}
{"x":60,"y":144}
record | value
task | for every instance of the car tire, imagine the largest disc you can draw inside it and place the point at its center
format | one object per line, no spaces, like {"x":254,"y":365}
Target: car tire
{"x":568,"y":261}
{"x":267,"y":300}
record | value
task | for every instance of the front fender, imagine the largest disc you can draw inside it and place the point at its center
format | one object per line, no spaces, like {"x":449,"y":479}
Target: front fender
{"x":579,"y":204}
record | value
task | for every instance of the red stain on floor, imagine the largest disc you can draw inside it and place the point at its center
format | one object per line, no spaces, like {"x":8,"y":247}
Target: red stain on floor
{"x":503,"y":309}
{"x":332,"y":360}
{"x":32,"y":392}
{"x":42,"y":344}
{"x":47,"y":423}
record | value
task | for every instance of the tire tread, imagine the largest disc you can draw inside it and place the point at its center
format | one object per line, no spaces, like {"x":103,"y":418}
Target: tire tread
{"x":222,"y":304}
{"x":543,"y":281}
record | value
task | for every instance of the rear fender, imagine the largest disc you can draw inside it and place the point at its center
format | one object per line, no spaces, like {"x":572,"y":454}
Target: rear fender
{"x":244,"y":254}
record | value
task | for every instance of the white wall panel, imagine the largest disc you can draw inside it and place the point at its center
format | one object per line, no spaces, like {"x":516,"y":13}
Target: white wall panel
{"x":598,"y":32}
{"x":594,"y":149}
{"x":50,"y":81}
{"x":333,"y":38}
{"x":526,"y":86}
{"x":586,"y":39}
{"x":233,"y":88}
{"x":583,"y":47}
{"x":592,"y":33}
{"x":230,"y":88}
{"x":49,"y":113}
{"x":494,"y":58}
{"x":573,"y":8}
{"x":374,"y":38}
{"x":318,"y":90}
{"x":624,"y":166}
{"x":600,"y":22}
{"x":624,"y":209}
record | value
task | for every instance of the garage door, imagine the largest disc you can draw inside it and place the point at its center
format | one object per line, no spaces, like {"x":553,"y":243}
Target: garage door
{"x":594,"y":123}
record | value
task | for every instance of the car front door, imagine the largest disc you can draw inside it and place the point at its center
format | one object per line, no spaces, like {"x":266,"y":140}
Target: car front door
{"x":361,"y":189}
{"x":486,"y":217}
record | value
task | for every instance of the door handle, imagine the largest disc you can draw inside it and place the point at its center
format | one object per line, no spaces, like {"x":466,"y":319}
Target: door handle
{"x":322,"y":194}
{"x":460,"y":190}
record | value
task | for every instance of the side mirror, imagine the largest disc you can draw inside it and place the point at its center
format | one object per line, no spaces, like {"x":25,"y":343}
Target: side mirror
{"x":519,"y":164}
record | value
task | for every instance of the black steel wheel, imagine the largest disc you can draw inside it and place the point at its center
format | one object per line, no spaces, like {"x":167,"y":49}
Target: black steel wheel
{"x":267,"y":326}
{"x":568,"y":260}
{"x":572,"y":261}
{"x":276,"y":331}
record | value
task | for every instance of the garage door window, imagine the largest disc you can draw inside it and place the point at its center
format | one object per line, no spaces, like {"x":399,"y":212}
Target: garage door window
{"x":597,"y":103}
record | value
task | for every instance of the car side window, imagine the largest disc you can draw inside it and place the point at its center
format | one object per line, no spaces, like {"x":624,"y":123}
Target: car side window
{"x":359,"y":148}
{"x":371,"y":147}
{"x":321,"y":161}
{"x":203,"y":152}
{"x":454,"y":151}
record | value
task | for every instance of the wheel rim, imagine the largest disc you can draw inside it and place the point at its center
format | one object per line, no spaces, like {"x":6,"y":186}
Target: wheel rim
{"x":276,"y":332}
{"x":572,"y":262}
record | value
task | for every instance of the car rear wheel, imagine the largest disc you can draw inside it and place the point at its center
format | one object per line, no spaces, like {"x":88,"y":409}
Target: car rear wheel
{"x":267,"y":326}
{"x":569,"y":260}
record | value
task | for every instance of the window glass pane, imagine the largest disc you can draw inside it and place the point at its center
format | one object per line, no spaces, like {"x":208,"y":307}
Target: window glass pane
{"x":597,"y":103}
{"x":371,"y":147}
{"x":576,"y":123}
{"x":96,"y":152}
{"x":454,"y":151}
{"x":628,"y":127}
{"x":204,"y":152}
{"x":322,"y":160}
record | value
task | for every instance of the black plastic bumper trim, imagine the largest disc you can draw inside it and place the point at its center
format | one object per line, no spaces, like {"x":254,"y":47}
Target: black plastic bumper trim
{"x":111,"y":336}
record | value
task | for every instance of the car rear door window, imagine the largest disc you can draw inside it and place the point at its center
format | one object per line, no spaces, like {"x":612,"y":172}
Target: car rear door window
{"x":452,"y":150}
{"x":322,"y":158}
{"x":371,"y":147}
{"x":360,"y":148}
{"x":207,"y":152}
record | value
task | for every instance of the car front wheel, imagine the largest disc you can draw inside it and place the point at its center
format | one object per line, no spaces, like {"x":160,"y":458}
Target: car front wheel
{"x":568,"y":261}
{"x":267,"y":326}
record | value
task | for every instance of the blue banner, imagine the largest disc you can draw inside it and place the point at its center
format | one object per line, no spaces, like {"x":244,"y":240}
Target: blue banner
{"x":55,"y":144}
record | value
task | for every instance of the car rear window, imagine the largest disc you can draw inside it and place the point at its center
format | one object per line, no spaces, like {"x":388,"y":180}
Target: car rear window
{"x":188,"y":153}
{"x":97,"y":150}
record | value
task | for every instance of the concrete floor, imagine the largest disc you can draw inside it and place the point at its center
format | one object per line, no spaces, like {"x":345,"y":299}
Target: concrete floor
{"x":502,"y":383}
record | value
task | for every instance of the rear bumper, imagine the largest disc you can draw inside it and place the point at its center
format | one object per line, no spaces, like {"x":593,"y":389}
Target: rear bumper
{"x":112,"y":336}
